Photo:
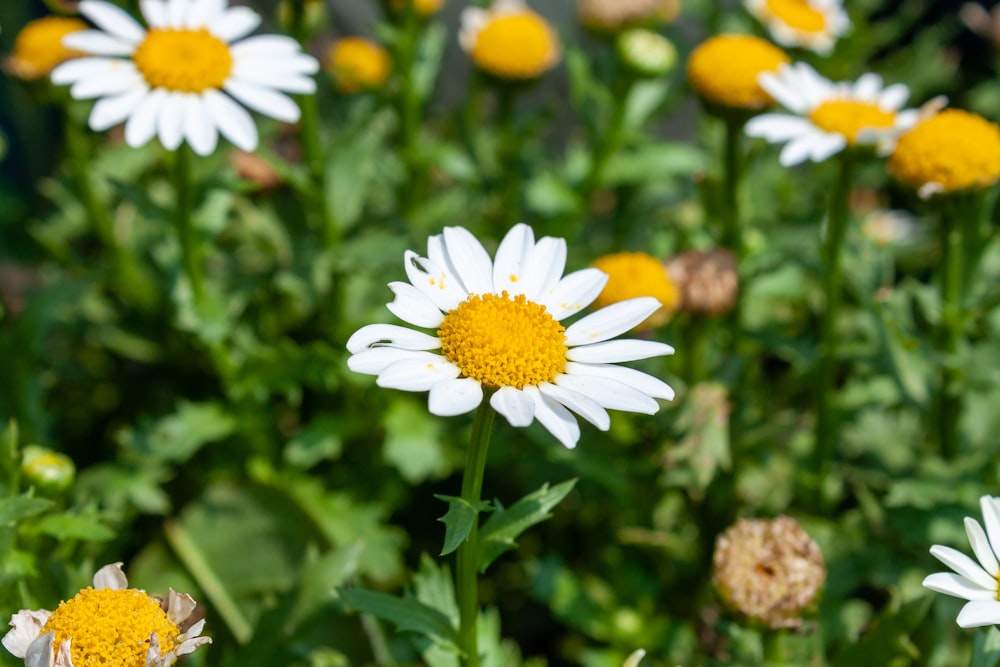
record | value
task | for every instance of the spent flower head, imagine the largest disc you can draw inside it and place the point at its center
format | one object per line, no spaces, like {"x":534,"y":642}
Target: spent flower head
{"x":810,"y":24}
{"x":709,"y":280}
{"x":509,"y":40}
{"x":724,"y":70}
{"x":498,"y":331}
{"x":358,"y":64}
{"x":39,"y":48}
{"x":636,"y":274}
{"x":108,"y":624}
{"x":184,"y":77}
{"x":615,"y":15}
{"x":890,"y":227}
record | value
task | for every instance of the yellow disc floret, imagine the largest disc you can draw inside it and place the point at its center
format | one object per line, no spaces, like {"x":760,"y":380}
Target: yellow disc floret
{"x":797,"y":14}
{"x":952,"y":150}
{"x":188,"y":61}
{"x":111,"y":628}
{"x":504,"y":342}
{"x":724,"y":70}
{"x":849,"y":117}
{"x":38,"y":47}
{"x":635,"y":274}
{"x":358,"y":64}
{"x":517,"y":45}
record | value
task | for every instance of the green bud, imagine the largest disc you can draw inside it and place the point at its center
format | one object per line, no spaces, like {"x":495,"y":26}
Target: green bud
{"x":646,"y":52}
{"x":48,"y":471}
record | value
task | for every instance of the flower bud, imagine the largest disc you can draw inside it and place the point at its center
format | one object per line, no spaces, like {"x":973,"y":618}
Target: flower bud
{"x":48,"y":471}
{"x":646,"y":52}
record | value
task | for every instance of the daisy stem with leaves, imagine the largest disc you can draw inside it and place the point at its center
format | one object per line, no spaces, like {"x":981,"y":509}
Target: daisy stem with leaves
{"x":191,"y":256}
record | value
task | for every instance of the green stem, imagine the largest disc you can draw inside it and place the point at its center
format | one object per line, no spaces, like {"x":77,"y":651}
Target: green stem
{"x":190,"y":248}
{"x":466,"y":573}
{"x":826,"y":418}
{"x":409,"y":104}
{"x":951,"y":328}
{"x":79,"y":155}
{"x":775,"y":652}
{"x":509,"y":158}
{"x":610,"y":140}
{"x":732,"y":236}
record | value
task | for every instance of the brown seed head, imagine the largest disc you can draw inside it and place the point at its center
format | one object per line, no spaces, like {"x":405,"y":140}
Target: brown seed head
{"x":614,"y":15}
{"x":708,"y":280}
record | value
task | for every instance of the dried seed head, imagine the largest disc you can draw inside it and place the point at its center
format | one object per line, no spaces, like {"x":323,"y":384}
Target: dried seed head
{"x":614,"y":15}
{"x":708,"y":280}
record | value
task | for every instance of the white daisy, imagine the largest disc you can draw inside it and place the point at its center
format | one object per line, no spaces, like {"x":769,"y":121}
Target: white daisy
{"x":497,"y":324}
{"x":509,"y":40}
{"x":181,"y":79}
{"x":970,"y":581}
{"x":811,"y":24}
{"x":827,"y":117}
{"x":107,"y":624}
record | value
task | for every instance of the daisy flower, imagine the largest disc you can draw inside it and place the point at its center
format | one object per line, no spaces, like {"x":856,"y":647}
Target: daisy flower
{"x":726,"y":69}
{"x":828,"y":117}
{"x":358,"y":64}
{"x":635,"y":274}
{"x":38,"y":48}
{"x":497,"y":325}
{"x":975,"y":582}
{"x":509,"y":40}
{"x":186,"y":76}
{"x":810,"y":24}
{"x":107,"y":624}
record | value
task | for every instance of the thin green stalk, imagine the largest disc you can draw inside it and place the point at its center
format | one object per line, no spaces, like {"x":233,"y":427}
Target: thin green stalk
{"x":466,"y":572}
{"x":836,"y":226}
{"x":732,"y":236}
{"x":79,"y":156}
{"x":509,"y":158}
{"x":775,"y":651}
{"x":190,"y":248}
{"x":409,"y":104}
{"x":951,"y":328}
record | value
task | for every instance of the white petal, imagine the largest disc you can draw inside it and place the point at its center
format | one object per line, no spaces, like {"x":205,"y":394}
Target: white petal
{"x":115,"y":82}
{"x":434,"y":281}
{"x":579,"y":403}
{"x":417,"y":375}
{"x":77,"y":69}
{"x":515,"y":405}
{"x":113,"y":110}
{"x":113,"y":20}
{"x":951,"y":584}
{"x":268,"y":102}
{"x":544,"y":268}
{"x":154,"y":11}
{"x":40,"y":652}
{"x":177,"y":13}
{"x":615,"y":351}
{"x":112,"y":577}
{"x":979,"y":613}
{"x":555,"y":418}
{"x":290,"y":63}
{"x":777,"y":128}
{"x":413,"y":307}
{"x":233,"y":121}
{"x":470,"y":260}
{"x":265,"y":46}
{"x":609,"y":393}
{"x":204,"y":12}
{"x":237,"y":22}
{"x":272,"y":77}
{"x":98,"y":43}
{"x":199,"y":130}
{"x":990,"y":507}
{"x":377,"y":359}
{"x":894,"y":97}
{"x":981,"y":547}
{"x":964,"y":566}
{"x":611,"y":321}
{"x":647,"y":384}
{"x":867,"y":87}
{"x":511,"y":257}
{"x":825,"y":145}
{"x":454,"y":397}
{"x":797,"y":150}
{"x":170,"y":126}
{"x":573,"y":293}
{"x":141,"y":125}
{"x":782,"y":90}
{"x":373,"y":335}
{"x":26,"y":626}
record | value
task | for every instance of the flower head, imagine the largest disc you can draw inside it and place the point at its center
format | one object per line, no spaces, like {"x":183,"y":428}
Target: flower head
{"x":38,"y":48}
{"x":708,"y":280}
{"x":770,"y":570}
{"x":947,"y":152}
{"x":615,"y":15}
{"x":636,"y":274}
{"x":828,"y":117}
{"x":725,"y":69}
{"x":181,"y":79}
{"x":809,"y":24}
{"x":423,"y":8}
{"x":107,"y":624}
{"x":358,"y":64}
{"x":498,"y":324}
{"x":975,"y":582}
{"x":645,"y":52}
{"x":509,"y":40}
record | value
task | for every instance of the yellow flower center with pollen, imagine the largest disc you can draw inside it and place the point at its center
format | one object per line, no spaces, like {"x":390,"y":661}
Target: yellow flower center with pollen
{"x":849,"y":117}
{"x":724,"y":70}
{"x":188,"y":61}
{"x":636,"y":274}
{"x":797,"y":14}
{"x":358,"y":64}
{"x":515,"y":46}
{"x":111,"y":628}
{"x":38,"y":47}
{"x":504,"y":342}
{"x":954,"y":150}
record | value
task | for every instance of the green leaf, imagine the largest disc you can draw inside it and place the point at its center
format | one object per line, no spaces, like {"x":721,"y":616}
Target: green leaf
{"x":177,"y":437}
{"x":986,"y":648}
{"x":889,"y":637}
{"x":319,"y":440}
{"x":20,"y":507}
{"x":413,"y":442}
{"x":406,"y":613}
{"x":458,"y":520}
{"x":434,"y":586}
{"x":498,"y":534}
{"x":68,"y":526}
{"x":704,"y":448}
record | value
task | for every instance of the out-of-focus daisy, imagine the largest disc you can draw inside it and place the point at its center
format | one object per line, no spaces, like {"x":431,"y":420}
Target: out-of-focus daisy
{"x":38,"y":48}
{"x":890,"y":227}
{"x":615,"y":15}
{"x":358,"y":64}
{"x":809,"y":24}
{"x":950,"y":151}
{"x":828,"y":117}
{"x":181,"y":79}
{"x":497,"y":325}
{"x":108,"y":624}
{"x":636,"y":274}
{"x":969,"y":580}
{"x":724,"y":70}
{"x":509,"y":40}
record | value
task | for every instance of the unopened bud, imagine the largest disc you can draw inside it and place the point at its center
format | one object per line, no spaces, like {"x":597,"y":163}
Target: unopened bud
{"x":646,"y":52}
{"x":48,"y":471}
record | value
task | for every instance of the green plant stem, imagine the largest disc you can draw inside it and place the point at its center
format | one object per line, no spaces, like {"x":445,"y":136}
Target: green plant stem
{"x":836,"y":226}
{"x":509,"y":158}
{"x":610,"y":141}
{"x":79,"y":156}
{"x":951,"y":329}
{"x":732,"y":236}
{"x":466,"y":572}
{"x":190,"y":248}
{"x":409,"y":104}
{"x":775,"y":652}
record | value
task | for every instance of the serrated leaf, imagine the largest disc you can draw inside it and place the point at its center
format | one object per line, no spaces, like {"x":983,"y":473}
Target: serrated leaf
{"x":407,"y":614}
{"x":458,"y":521}
{"x":499,"y":533}
{"x":986,"y":648}
{"x":21,"y":507}
{"x":434,"y":586}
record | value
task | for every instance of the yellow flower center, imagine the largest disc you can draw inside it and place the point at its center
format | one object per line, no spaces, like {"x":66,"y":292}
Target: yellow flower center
{"x":358,"y":64}
{"x":849,"y":117}
{"x":635,"y":274}
{"x":955,"y":149}
{"x":724,"y":70}
{"x":504,"y":342}
{"x":515,"y":46}
{"x":188,"y":61}
{"x":38,"y":47}
{"x":798,"y":14}
{"x":111,"y":628}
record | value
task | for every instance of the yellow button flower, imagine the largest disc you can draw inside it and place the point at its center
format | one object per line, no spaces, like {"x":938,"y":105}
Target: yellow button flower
{"x":952,"y":150}
{"x":724,"y":70}
{"x":38,"y":48}
{"x":509,"y":40}
{"x":635,"y":274}
{"x":808,"y":24}
{"x":358,"y":64}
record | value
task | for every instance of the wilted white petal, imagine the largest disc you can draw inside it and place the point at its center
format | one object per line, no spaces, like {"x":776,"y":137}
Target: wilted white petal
{"x":26,"y":627}
{"x":111,"y":576}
